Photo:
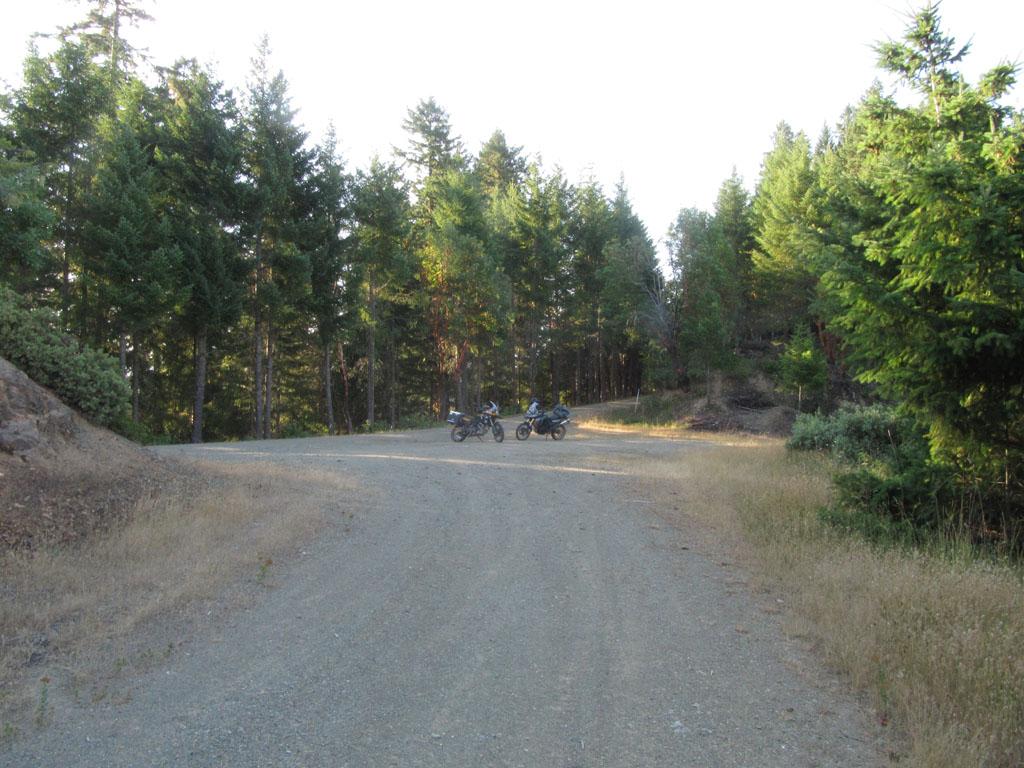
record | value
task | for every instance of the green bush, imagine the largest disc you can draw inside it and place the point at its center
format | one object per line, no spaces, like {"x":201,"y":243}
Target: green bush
{"x":889,"y":483}
{"x":83,"y":378}
{"x":857,"y":434}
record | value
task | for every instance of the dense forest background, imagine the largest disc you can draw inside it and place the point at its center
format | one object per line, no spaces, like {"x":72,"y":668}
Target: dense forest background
{"x":250,"y":285}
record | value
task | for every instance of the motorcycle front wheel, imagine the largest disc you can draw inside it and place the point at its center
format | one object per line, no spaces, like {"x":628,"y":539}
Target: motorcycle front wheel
{"x":522,"y":431}
{"x":458,"y":434}
{"x":558,"y":432}
{"x":498,"y":431}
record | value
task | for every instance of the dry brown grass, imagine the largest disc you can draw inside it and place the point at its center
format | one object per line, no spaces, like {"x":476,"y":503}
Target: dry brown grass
{"x":937,"y":642}
{"x":108,"y":602}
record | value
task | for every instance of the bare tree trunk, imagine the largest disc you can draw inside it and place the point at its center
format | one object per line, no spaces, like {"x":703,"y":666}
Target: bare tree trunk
{"x":328,"y":390}
{"x":479,"y":370}
{"x":344,"y":378}
{"x":579,"y":375}
{"x":136,"y":370}
{"x":442,"y":390}
{"x":371,"y":368}
{"x":123,"y":352}
{"x":66,"y":282}
{"x":532,"y":363}
{"x":268,"y":395}
{"x":258,"y":373}
{"x":199,"y":386}
{"x":556,"y":387}
{"x":392,"y":380}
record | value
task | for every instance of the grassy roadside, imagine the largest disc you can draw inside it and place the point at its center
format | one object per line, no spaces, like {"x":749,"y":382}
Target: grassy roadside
{"x":935,"y":639}
{"x":72,"y":619}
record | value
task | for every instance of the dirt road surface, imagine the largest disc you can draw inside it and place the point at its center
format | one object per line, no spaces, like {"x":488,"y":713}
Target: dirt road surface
{"x":480,"y":604}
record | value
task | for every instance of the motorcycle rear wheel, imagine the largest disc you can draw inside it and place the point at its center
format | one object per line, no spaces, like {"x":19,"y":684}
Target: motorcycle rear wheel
{"x":458,"y":434}
{"x":558,"y":432}
{"x":523,"y":431}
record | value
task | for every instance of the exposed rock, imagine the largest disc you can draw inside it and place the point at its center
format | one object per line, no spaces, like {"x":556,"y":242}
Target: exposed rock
{"x":62,"y":478}
{"x":31,"y":418}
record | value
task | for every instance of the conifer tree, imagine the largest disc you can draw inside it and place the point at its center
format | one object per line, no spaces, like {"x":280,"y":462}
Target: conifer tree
{"x":783,"y":277}
{"x":382,"y":229}
{"x":55,"y":115}
{"x":275,"y":164}
{"x":26,"y":263}
{"x":200,"y":156}
{"x":923,"y":258}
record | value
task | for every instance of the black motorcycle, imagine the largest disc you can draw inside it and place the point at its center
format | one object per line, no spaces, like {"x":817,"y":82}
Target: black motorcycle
{"x":544,"y":424}
{"x":486,"y":420}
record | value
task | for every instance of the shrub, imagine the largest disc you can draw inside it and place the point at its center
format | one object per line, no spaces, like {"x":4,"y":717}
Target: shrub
{"x":857,"y":434}
{"x":83,"y":378}
{"x":890,"y":488}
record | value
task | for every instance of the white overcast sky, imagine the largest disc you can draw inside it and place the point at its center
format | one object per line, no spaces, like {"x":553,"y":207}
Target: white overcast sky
{"x":669,"y":94}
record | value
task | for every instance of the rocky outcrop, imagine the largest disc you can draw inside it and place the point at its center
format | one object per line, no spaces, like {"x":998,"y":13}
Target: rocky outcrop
{"x":32,"y":420}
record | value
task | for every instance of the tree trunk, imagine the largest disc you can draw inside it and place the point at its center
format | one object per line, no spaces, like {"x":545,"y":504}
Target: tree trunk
{"x":344,"y":378}
{"x":371,"y":368}
{"x":442,"y":389}
{"x":478,"y":368}
{"x":258,"y":338}
{"x":268,"y":395}
{"x":532,"y":353}
{"x":392,"y":380}
{"x":556,"y":387}
{"x":136,"y":370}
{"x":328,"y":393}
{"x":258,"y":373}
{"x":66,"y":283}
{"x":122,"y":347}
{"x":576,"y":379}
{"x":199,"y":385}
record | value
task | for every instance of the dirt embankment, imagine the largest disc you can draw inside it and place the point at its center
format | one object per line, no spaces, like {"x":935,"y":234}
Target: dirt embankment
{"x":61,"y":477}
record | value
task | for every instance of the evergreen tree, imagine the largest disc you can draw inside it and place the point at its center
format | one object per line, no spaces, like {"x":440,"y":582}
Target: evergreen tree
{"x":326,"y":214}
{"x":707,"y":294}
{"x":26,"y":222}
{"x":200,"y":156}
{"x":382,"y":219}
{"x":275,"y":164}
{"x":129,"y":262}
{"x":499,"y":167}
{"x":537,"y":214}
{"x":102,"y":31}
{"x":55,"y":116}
{"x":802,"y":365}
{"x":784,"y":279}
{"x":629,"y":279}
{"x":432,"y":149}
{"x":465,"y":295}
{"x":924,"y":258}
{"x":591,"y":226}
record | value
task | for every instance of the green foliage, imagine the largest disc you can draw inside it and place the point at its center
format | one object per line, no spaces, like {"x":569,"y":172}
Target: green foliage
{"x":88,"y":380}
{"x":25,"y":220}
{"x":887,"y":473}
{"x":923,"y":257}
{"x":802,"y":365}
{"x":783,"y":275}
{"x":708,"y":294}
{"x":889,"y":488}
{"x":858,"y":434}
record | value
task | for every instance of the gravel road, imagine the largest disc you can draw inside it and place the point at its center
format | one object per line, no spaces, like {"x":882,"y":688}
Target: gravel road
{"x":513,"y":604}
